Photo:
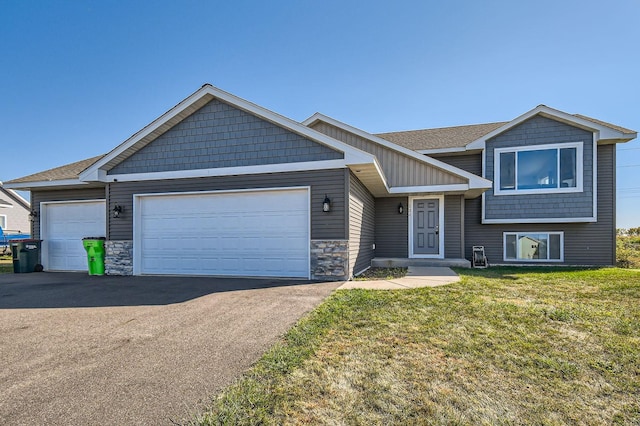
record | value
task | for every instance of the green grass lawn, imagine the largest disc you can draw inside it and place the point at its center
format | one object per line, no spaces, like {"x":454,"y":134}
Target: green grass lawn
{"x":502,"y":346}
{"x":6,"y":264}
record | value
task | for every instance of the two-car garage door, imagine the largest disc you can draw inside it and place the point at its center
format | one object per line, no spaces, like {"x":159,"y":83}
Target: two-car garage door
{"x":246,"y":233}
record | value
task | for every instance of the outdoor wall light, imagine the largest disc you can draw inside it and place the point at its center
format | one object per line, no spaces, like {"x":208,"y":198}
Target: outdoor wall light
{"x":400,"y":208}
{"x":117,"y":211}
{"x":326,"y":204}
{"x":33,"y":215}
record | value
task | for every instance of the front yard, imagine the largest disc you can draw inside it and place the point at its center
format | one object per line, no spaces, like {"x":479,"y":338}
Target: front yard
{"x":503,"y":346}
{"x":6,"y":264}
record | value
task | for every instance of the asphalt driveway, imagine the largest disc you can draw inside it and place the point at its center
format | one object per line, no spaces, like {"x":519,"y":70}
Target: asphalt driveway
{"x":76,"y":349}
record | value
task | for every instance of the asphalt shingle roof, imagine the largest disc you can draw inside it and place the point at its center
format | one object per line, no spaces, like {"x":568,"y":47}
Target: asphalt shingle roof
{"x":69,"y":171}
{"x":425,"y":139}
{"x":443,"y":137}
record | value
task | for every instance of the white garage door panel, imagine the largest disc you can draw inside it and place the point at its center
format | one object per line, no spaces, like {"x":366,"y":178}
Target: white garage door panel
{"x":64,"y":225}
{"x":263,"y":233}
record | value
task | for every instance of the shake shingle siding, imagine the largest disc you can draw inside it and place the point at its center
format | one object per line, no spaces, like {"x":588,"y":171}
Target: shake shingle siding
{"x":584,"y":243}
{"x":540,"y":131}
{"x":324,"y":226}
{"x":219,"y":135}
{"x":361,"y":226}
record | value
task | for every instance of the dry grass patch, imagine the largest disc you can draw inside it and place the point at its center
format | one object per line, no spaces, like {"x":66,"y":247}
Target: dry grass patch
{"x":503,"y":346}
{"x":382,"y":274}
{"x":6,"y":264}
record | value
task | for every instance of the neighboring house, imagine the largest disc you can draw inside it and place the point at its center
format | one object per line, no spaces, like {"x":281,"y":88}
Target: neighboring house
{"x":14,"y":211}
{"x":221,"y":186}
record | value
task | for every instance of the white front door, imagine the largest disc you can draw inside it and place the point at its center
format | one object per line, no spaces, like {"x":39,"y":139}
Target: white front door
{"x":246,"y":233}
{"x":63,"y":226}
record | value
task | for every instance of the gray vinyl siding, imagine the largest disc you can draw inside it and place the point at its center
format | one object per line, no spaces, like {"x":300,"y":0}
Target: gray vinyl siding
{"x":38,"y":197}
{"x":540,"y":131}
{"x":399,"y":169}
{"x":391,"y":232}
{"x":453,"y":226}
{"x":584,"y":243}
{"x":361,"y":226}
{"x":324,"y":226}
{"x":219,"y":135}
{"x":471,"y":163}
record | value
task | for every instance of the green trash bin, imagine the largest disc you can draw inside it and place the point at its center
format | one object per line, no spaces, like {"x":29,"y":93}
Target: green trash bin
{"x":95,"y":254}
{"x":26,"y":256}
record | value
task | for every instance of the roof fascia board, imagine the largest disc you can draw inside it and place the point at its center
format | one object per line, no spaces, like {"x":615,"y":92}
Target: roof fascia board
{"x":15,"y":196}
{"x":351,"y":154}
{"x":228,"y":171}
{"x":429,"y":188}
{"x":604,"y":132}
{"x":45,"y":184}
{"x":474,"y":181}
{"x":441,"y":150}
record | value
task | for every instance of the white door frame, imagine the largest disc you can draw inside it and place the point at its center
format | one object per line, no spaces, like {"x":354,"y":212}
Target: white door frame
{"x":440,"y":254}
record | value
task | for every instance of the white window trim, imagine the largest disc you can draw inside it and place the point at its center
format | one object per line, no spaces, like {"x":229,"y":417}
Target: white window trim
{"x":517,"y":233}
{"x":558,"y":146}
{"x":6,"y":221}
{"x":440,"y":254}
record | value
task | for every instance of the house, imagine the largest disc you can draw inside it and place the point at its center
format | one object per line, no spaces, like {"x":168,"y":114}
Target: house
{"x":14,"y":211}
{"x":220,"y":186}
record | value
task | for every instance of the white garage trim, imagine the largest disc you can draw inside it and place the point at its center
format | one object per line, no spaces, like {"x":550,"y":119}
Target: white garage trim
{"x":283,"y":244}
{"x":59,"y":250}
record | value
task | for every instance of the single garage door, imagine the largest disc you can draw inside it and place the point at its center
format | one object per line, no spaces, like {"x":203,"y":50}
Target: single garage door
{"x":64,"y":225}
{"x":248,"y":233}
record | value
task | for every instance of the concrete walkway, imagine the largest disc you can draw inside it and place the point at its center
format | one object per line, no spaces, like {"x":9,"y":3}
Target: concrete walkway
{"x":417,"y":276}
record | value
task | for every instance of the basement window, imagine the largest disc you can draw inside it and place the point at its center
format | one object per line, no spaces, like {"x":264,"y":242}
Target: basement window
{"x":534,"y":246}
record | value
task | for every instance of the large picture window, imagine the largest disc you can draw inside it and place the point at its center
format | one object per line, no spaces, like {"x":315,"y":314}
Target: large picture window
{"x":534,"y":246}
{"x":538,"y":169}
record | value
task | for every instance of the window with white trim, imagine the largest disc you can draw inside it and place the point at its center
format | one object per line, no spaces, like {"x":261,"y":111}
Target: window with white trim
{"x":3,"y":221}
{"x":538,"y":169}
{"x":534,"y":246}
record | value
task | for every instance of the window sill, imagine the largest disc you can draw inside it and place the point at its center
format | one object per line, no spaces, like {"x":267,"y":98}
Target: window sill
{"x":498,"y":192}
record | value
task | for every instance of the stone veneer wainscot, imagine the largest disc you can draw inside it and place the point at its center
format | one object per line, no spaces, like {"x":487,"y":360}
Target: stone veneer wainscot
{"x":118,"y":257}
{"x":329,"y":260}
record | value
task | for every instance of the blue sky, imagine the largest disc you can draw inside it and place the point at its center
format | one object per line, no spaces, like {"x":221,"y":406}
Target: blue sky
{"x":80,"y":77}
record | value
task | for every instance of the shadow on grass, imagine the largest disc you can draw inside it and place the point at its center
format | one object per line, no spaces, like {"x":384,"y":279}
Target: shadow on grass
{"x":512,"y":272}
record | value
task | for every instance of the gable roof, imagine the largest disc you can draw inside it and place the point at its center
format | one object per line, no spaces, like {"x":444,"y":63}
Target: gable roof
{"x":456,"y":138}
{"x":13,"y":198}
{"x":604,"y":123}
{"x":476,"y":184}
{"x":606,"y":132}
{"x":97,"y":170}
{"x":67,"y":174}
